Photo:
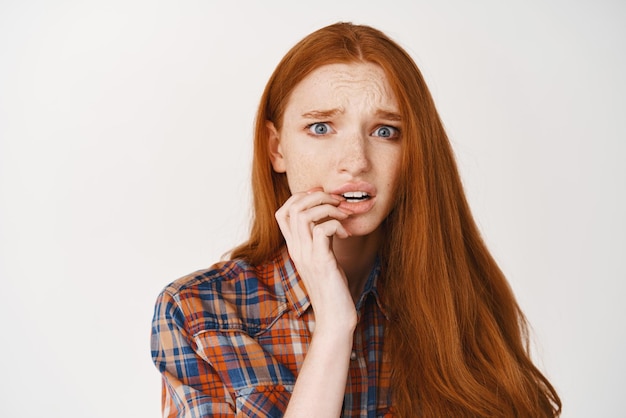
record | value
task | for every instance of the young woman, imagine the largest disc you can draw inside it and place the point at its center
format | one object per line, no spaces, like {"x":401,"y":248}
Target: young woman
{"x":365,"y":288}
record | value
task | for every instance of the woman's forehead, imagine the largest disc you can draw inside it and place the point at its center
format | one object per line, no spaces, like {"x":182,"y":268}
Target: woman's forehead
{"x":334,"y":88}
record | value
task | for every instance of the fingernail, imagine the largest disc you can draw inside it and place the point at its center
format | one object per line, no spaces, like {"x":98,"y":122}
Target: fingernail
{"x":314,"y":189}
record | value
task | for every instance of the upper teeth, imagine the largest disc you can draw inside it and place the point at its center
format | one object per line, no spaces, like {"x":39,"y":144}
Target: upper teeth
{"x":355,"y":195}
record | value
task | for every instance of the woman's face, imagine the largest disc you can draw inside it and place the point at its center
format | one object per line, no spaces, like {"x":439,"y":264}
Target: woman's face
{"x":341,"y":132}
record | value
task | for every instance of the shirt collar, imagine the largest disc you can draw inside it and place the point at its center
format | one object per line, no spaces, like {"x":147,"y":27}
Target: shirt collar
{"x":296,"y":292}
{"x":292,"y":283}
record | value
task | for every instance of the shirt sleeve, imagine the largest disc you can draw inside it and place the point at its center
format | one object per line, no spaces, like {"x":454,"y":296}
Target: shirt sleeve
{"x":191,"y":387}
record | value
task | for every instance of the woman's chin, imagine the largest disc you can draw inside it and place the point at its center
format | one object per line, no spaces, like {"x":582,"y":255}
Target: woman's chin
{"x":358,"y":228}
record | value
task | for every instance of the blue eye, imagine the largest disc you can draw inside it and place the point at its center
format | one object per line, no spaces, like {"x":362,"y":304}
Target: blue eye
{"x":319,"y":128}
{"x":386,"y":132}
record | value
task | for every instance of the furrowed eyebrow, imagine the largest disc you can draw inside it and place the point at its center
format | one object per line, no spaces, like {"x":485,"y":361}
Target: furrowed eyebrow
{"x":322,"y":114}
{"x":389,"y":115}
{"x":325,"y":114}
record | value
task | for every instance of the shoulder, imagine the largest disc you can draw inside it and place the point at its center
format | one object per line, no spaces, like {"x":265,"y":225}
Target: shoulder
{"x":230,"y":295}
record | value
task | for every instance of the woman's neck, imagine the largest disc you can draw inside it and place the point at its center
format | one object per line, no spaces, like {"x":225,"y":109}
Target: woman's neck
{"x":356,"y":256}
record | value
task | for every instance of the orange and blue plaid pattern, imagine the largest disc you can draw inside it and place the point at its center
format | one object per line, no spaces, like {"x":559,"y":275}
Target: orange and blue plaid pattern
{"x":229,"y":341}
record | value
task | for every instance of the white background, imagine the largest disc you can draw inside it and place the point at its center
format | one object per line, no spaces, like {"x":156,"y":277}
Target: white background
{"x":125,"y":143}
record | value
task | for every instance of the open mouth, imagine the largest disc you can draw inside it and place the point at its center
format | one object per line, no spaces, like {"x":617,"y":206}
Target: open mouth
{"x":353,"y":197}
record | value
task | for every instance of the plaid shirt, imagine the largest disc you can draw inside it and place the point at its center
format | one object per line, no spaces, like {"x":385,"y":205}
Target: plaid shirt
{"x":229,"y":341}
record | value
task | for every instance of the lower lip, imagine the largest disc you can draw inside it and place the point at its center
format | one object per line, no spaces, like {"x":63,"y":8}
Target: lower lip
{"x":358,"y":207}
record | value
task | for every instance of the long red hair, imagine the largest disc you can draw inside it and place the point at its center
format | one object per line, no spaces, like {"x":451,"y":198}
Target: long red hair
{"x":457,"y":339}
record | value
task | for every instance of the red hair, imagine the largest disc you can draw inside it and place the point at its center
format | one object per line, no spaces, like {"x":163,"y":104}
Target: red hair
{"x":457,"y":339}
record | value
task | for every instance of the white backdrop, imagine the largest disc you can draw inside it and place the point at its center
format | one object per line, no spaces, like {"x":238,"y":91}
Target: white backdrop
{"x":125,"y":132}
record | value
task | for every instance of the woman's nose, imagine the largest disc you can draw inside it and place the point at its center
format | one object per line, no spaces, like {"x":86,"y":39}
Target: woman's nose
{"x":354,"y":158}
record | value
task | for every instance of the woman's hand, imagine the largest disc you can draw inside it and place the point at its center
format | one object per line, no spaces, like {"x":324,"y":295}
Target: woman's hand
{"x":309,"y":222}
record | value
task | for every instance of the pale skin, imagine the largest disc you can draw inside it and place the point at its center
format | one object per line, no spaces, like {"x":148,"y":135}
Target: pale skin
{"x":340,"y":147}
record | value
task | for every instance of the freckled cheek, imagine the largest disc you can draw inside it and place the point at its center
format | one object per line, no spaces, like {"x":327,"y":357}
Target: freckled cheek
{"x":393,"y":178}
{"x":303,"y":175}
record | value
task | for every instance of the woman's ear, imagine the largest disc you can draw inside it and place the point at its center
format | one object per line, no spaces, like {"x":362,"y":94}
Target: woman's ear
{"x":276,"y":155}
